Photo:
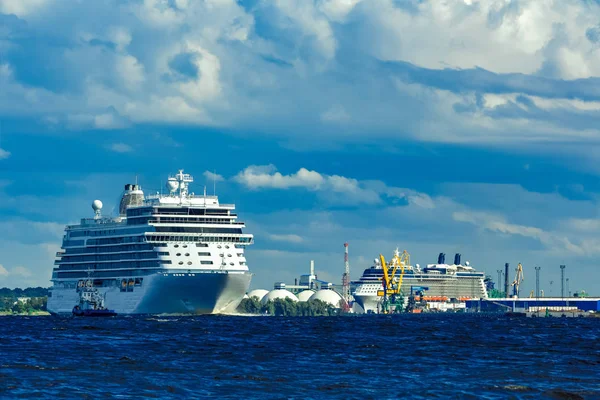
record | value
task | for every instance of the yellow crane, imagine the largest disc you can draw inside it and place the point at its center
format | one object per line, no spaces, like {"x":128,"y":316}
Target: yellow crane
{"x":392,"y":285}
{"x":518,"y":279}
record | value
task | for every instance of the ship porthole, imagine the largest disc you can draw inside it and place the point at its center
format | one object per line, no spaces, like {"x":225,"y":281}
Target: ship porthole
{"x":180,"y":262}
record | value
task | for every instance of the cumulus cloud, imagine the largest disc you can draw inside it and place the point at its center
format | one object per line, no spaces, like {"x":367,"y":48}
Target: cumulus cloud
{"x":213,"y":177}
{"x":16,"y":272}
{"x":290,"y":238}
{"x":344,"y":70}
{"x":120,"y":148}
{"x":4,"y":154}
{"x":21,"y":271}
{"x":334,"y":188}
{"x":496,"y":223}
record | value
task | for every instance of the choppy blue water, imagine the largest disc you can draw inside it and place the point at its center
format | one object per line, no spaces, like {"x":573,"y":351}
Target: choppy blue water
{"x":413,"y":356}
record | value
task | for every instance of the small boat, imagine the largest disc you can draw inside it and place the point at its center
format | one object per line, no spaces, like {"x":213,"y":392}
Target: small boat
{"x":91,"y":303}
{"x":90,"y":312}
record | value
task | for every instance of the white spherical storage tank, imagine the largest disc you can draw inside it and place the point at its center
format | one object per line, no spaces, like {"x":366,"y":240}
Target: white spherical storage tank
{"x":328,"y":296}
{"x":305,"y":295}
{"x":278,"y":294}
{"x":258,"y":293}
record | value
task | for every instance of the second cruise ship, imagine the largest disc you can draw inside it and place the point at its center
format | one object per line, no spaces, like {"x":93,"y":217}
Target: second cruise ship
{"x":173,"y":253}
{"x":443,"y":281}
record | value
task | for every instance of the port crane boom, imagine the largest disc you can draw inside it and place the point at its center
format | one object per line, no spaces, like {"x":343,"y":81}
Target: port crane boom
{"x":518,"y":279}
{"x":392,"y":285}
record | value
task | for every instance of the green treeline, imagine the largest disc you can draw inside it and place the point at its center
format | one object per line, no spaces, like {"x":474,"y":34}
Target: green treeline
{"x":23,"y":301}
{"x":287,"y":308}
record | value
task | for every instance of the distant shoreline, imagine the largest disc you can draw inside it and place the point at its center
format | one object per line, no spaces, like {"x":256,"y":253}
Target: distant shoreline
{"x":32,"y":314}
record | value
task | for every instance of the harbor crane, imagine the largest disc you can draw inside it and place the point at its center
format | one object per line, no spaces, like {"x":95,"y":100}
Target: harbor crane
{"x":392,"y":285}
{"x":518,"y":279}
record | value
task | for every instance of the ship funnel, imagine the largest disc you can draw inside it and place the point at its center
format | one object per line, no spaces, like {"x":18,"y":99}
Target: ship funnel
{"x":132,"y":196}
{"x":442,"y":258}
{"x":457,"y":259}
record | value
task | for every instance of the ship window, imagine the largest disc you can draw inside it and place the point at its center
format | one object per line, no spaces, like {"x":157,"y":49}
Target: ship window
{"x":178,"y":254}
{"x":201,"y":245}
{"x":242,"y":263}
{"x":176,"y":245}
{"x":163,"y":253}
{"x":180,"y":262}
{"x":226,"y":246}
{"x":221,"y":255}
{"x":187,"y":254}
{"x":204,"y":262}
{"x":219,"y":246}
{"x":185,"y":245}
{"x":231,"y":263}
{"x":189,"y":263}
{"x":228,"y":255}
{"x":204,"y":254}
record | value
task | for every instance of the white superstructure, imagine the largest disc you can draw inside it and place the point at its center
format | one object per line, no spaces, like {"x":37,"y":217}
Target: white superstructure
{"x":444,"y":282}
{"x":174,"y":253}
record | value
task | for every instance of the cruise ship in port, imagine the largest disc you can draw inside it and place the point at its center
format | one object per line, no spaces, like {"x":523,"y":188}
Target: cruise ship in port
{"x":444,"y":282}
{"x":173,"y":253}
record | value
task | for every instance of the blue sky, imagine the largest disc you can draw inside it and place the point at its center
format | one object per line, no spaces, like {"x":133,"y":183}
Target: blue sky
{"x":459,"y":126}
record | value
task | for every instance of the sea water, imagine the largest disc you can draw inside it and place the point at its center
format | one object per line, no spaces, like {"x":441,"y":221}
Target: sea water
{"x":369,"y":357}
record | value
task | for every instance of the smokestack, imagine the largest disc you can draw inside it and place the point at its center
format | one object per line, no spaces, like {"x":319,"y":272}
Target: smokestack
{"x":441,"y":258}
{"x":457,"y":259}
{"x":506,"y":280}
{"x":312,"y":267}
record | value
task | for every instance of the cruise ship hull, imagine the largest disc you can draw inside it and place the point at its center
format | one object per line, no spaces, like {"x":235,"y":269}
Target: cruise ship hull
{"x":172,"y":292}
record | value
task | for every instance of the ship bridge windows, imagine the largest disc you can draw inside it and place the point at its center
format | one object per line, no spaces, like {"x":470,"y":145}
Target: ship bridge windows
{"x":110,"y":249}
{"x":243,"y":240}
{"x":185,"y":229}
{"x":116,"y":240}
{"x":136,"y":212}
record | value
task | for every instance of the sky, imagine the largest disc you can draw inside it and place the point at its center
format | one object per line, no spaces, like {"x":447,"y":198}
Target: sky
{"x":464,"y":126}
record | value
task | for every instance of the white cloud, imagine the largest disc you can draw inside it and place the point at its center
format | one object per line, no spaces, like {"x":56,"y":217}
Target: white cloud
{"x":120,"y":148}
{"x":3,"y":271}
{"x":265,"y":176}
{"x":22,"y":8}
{"x":311,"y":70}
{"x":213,"y":177}
{"x":337,"y":188}
{"x":333,"y":188}
{"x":4,"y":154}
{"x":290,"y":238}
{"x":21,"y":271}
{"x":498,"y":224}
{"x":336,"y":113}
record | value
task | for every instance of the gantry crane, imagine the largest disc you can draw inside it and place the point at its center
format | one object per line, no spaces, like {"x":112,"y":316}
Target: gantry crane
{"x":392,"y":285}
{"x":518,"y":279}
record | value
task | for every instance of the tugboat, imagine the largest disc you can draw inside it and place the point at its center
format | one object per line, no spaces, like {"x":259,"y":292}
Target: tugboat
{"x":91,"y":303}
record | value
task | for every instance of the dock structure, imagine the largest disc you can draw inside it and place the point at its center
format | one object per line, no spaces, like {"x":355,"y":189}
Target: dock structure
{"x":528,"y":305}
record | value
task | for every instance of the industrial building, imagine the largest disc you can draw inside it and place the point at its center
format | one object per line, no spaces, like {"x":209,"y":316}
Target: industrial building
{"x":534,"y":304}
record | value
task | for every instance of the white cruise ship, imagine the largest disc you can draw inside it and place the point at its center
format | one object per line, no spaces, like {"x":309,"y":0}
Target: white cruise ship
{"x":444,"y":282}
{"x":174,"y":253}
